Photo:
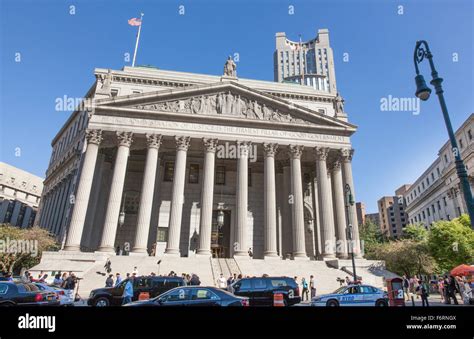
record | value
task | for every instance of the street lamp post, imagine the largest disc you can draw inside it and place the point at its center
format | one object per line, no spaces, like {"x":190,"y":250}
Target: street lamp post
{"x":423,"y":92}
{"x":349,"y":203}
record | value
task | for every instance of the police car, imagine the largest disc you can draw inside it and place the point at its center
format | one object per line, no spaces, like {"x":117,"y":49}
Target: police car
{"x":352,"y":295}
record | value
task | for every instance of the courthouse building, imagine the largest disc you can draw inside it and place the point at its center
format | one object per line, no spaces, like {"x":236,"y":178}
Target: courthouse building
{"x":190,"y":164}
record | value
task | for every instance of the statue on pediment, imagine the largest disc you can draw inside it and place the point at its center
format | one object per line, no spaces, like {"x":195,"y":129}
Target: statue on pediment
{"x":220,"y":103}
{"x":339,"y":104}
{"x":230,"y":68}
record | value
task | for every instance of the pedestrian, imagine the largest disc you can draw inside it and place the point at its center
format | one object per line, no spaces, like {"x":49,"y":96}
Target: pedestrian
{"x":305,"y":289}
{"x":460,"y":287}
{"x":250,"y":252}
{"x":230,"y":281}
{"x":423,"y":293}
{"x":450,"y":285}
{"x":415,"y":286}
{"x":348,"y":281}
{"x":239,"y":276}
{"x":441,"y":289}
{"x":406,"y":285}
{"x":57,"y":280}
{"x":135,"y":271}
{"x":107,"y":266}
{"x":222,"y":282}
{"x":128,"y":292}
{"x":43,"y":279}
{"x":195,"y":280}
{"x":467,"y":294}
{"x":70,"y":283}
{"x":118,"y":279}
{"x":312,"y":286}
{"x":109,"y":282}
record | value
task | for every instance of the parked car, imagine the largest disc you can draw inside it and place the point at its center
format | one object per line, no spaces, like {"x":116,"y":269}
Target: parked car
{"x":25,"y":294}
{"x":66,"y":297}
{"x":352,"y":295}
{"x":194,"y":296}
{"x":154,"y":285}
{"x":261,"y":291}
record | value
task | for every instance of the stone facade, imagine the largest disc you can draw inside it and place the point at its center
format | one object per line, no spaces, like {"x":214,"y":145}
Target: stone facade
{"x":20,"y":194}
{"x":159,"y":155}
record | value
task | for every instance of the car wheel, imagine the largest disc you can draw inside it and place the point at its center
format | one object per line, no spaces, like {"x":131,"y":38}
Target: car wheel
{"x":332,"y":303}
{"x":381,"y":303}
{"x":7,"y":304}
{"x":102,"y":302}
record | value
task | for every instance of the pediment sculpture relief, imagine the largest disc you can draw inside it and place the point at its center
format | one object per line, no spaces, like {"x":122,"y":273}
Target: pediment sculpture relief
{"x":224,"y":103}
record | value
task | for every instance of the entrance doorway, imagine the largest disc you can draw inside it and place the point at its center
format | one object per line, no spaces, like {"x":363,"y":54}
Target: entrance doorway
{"x":220,"y":236}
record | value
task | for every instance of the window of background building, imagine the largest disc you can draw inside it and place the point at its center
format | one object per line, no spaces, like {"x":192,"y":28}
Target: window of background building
{"x":445,"y":202}
{"x":162,"y":234}
{"x":439,"y":206}
{"x":169,"y":171}
{"x":193,"y":174}
{"x":433,"y":208}
{"x":428,"y":212}
{"x":469,"y":134}
{"x":437,"y":171}
{"x":114,"y":92}
{"x":461,"y":144}
{"x":220,"y":175}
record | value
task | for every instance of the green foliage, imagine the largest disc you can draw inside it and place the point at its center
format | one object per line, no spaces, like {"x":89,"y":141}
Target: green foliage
{"x":451,"y":243}
{"x":407,"y":257}
{"x":416,"y":232}
{"x":371,"y":236}
{"x":23,"y":247}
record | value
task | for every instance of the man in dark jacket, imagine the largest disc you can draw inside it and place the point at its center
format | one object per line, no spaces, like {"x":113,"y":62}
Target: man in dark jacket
{"x":451,"y":289}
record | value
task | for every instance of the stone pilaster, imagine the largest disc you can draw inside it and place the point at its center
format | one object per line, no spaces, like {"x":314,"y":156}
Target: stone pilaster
{"x":299,"y":247}
{"x":339,"y":208}
{"x":270,"y":235}
{"x":324,"y":189}
{"x":240,"y":248}
{"x":207,"y":194}
{"x":146,"y":197}
{"x":116,"y":192}
{"x":76,"y":226}
{"x":177,"y":200}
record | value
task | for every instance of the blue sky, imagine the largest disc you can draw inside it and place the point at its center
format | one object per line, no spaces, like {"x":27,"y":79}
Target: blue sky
{"x":59,"y":52}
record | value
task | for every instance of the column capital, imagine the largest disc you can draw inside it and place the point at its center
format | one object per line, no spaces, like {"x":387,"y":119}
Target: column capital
{"x":346,"y":154}
{"x":210,"y":145}
{"x":182,"y":143}
{"x":124,"y":138}
{"x":153,"y":140}
{"x":94,"y":136}
{"x":270,"y":149}
{"x":296,"y":151}
{"x":321,"y":153}
{"x":243,"y":147}
{"x":335,"y":166}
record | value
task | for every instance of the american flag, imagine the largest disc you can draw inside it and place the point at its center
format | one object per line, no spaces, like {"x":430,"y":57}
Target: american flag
{"x":135,"y":22}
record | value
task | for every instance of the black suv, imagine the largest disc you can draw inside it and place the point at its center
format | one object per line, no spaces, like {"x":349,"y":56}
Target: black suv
{"x":260,"y":291}
{"x":154,"y":285}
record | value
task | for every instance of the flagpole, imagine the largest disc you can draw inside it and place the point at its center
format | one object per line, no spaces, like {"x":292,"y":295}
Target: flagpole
{"x":138,"y":39}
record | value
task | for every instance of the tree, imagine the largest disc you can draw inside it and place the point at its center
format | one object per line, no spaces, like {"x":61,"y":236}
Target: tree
{"x":416,"y":232}
{"x":451,"y":243}
{"x":23,"y":247}
{"x":370,"y":236}
{"x":407,"y":257}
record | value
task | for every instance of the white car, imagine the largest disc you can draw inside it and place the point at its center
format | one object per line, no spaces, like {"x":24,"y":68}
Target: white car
{"x":352,"y":295}
{"x":66,"y":297}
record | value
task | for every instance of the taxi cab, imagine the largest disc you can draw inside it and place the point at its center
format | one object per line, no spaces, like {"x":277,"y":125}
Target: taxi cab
{"x":353,"y":295}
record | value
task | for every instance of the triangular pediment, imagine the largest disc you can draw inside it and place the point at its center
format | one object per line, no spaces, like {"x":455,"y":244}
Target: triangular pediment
{"x":225,"y":100}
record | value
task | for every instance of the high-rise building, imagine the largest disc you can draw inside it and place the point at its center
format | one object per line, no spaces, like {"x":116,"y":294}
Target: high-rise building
{"x":360,"y":209}
{"x":310,"y":62}
{"x":392,"y":215}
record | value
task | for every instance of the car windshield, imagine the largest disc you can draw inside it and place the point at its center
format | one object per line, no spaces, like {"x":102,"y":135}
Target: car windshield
{"x":340,"y":290}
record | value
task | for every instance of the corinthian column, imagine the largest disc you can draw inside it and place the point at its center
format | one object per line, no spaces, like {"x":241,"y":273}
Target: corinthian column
{"x":116,"y":191}
{"x":346,"y":155}
{"x":146,"y":198}
{"x":207,"y":195}
{"x":270,"y":235}
{"x":73,"y":242}
{"x":339,"y":206}
{"x":299,"y":248}
{"x":177,"y":200}
{"x":242,"y":198}
{"x":324,"y":189}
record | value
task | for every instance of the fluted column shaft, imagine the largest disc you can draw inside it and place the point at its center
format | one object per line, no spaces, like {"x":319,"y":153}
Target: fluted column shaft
{"x":240,"y":247}
{"x":339,"y":207}
{"x":81,"y":201}
{"x":177,"y":200}
{"x":207,"y":195}
{"x":146,"y":198}
{"x":324,"y":190}
{"x":270,"y":214}
{"x":299,"y":246}
{"x":116,"y":192}
{"x":347,"y":155}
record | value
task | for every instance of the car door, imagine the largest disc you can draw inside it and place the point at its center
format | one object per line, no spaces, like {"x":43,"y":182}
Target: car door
{"x":117,"y":293}
{"x":351,"y":297}
{"x":243,"y":288}
{"x":176,"y":297}
{"x":368,"y":295}
{"x":204,"y":297}
{"x":5,"y":292}
{"x":262,"y":294}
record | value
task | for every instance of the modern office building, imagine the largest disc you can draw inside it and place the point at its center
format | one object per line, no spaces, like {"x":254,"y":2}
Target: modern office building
{"x":20,"y":194}
{"x":360,"y":208}
{"x":436,"y":194}
{"x":392,"y":214}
